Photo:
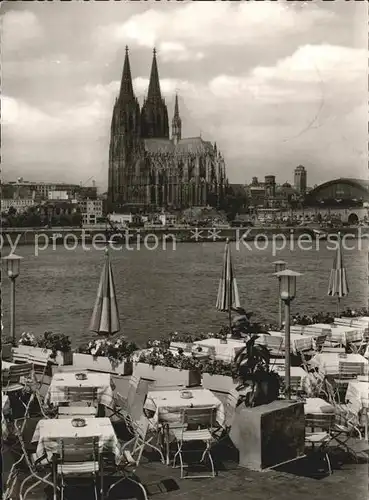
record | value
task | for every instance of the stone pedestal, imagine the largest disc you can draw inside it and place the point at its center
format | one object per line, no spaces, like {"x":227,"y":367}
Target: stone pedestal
{"x":268,"y":435}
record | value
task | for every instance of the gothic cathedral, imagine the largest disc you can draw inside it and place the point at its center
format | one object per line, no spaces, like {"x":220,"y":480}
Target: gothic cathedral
{"x":149,"y":170}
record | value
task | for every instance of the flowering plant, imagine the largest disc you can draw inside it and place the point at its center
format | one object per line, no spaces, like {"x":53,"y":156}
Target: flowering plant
{"x":54,"y":341}
{"x":165,"y":357}
{"x":218,"y":367}
{"x":321,"y":317}
{"x":187,"y":338}
{"x":354,"y":313}
{"x":162,"y":343}
{"x":116,"y":350}
{"x":28,"y":339}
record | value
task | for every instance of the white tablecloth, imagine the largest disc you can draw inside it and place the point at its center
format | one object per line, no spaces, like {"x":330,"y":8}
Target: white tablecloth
{"x":357,"y":395}
{"x":60,"y":381}
{"x":168,"y":404}
{"x":49,"y":432}
{"x":317,"y":405}
{"x":225,"y":352}
{"x":276,"y":339}
{"x":328,"y":363}
{"x":295,"y":371}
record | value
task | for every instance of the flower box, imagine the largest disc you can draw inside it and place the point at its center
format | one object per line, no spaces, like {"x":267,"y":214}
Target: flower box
{"x":101,"y":364}
{"x":218,"y":383}
{"x":39,"y":356}
{"x":164,"y":374}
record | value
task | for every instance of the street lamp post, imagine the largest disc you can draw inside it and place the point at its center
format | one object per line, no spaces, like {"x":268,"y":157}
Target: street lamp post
{"x":287,"y":294}
{"x":279,"y":265}
{"x":12,"y":266}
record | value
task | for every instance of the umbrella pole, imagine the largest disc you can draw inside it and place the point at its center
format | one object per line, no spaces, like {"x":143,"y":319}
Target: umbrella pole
{"x":230,"y":320}
{"x":338,"y":306}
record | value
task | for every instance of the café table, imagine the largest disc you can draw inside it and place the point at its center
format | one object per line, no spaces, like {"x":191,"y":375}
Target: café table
{"x":316,"y":406}
{"x":224,"y":351}
{"x":328,"y":363}
{"x":57,"y":392}
{"x":167,"y":407}
{"x":49,"y":432}
{"x":295,"y":371}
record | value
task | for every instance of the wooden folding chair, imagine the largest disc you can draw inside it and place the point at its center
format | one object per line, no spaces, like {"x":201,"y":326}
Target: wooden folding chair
{"x":35,"y":466}
{"x":318,"y":435}
{"x":160,"y":386}
{"x":78,"y":456}
{"x":18,"y":377}
{"x":85,"y":395}
{"x":195,"y":418}
{"x":132,"y":452}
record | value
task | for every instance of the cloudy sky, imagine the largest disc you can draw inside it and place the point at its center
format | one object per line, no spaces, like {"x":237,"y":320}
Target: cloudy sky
{"x":275,"y":84}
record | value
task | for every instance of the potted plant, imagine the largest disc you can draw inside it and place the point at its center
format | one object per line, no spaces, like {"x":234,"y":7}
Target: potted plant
{"x":257,"y":383}
{"x":218,"y":376}
{"x":161,"y":364}
{"x":266,"y":430}
{"x":106,"y":355}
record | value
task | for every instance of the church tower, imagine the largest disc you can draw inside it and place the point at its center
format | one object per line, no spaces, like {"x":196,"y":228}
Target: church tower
{"x":124,"y":139}
{"x":176,"y":123}
{"x":154,"y":113}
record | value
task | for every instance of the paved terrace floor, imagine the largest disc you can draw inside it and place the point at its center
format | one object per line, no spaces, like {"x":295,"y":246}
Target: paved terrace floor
{"x":298,"y":481}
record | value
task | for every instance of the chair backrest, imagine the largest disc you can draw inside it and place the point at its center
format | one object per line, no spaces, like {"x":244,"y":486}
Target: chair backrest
{"x":20,"y":357}
{"x":196,"y":417}
{"x":40,"y":359}
{"x":132,"y":389}
{"x":136,"y":405}
{"x":81,"y":394}
{"x":323,"y":421}
{"x":319,"y":342}
{"x":350,"y":370}
{"x":275,"y":343}
{"x":79,"y":449}
{"x":23,"y":370}
{"x":159,"y":386}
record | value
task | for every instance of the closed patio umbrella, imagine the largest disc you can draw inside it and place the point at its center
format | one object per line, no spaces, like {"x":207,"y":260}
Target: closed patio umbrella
{"x":228,"y":297}
{"x":338,"y":286}
{"x":105,"y":317}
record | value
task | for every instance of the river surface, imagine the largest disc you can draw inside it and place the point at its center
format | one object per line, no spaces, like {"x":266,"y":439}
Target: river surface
{"x":161,"y":291}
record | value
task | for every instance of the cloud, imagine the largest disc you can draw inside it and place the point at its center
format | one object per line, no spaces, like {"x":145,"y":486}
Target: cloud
{"x":178,"y":52}
{"x":20,"y":29}
{"x":223,"y":24}
{"x":312,"y":63}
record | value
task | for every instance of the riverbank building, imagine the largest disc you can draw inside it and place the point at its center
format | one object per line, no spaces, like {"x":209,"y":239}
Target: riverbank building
{"x":153,"y":167}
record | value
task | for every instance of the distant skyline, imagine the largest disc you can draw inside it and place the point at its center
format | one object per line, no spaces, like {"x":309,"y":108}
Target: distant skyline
{"x":275,"y":84}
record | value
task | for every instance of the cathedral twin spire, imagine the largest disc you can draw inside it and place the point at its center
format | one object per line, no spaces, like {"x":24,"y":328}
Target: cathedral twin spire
{"x":154,"y":113}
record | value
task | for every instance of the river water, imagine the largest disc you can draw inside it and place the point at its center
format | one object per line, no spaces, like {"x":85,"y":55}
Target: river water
{"x":160,"y":291}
